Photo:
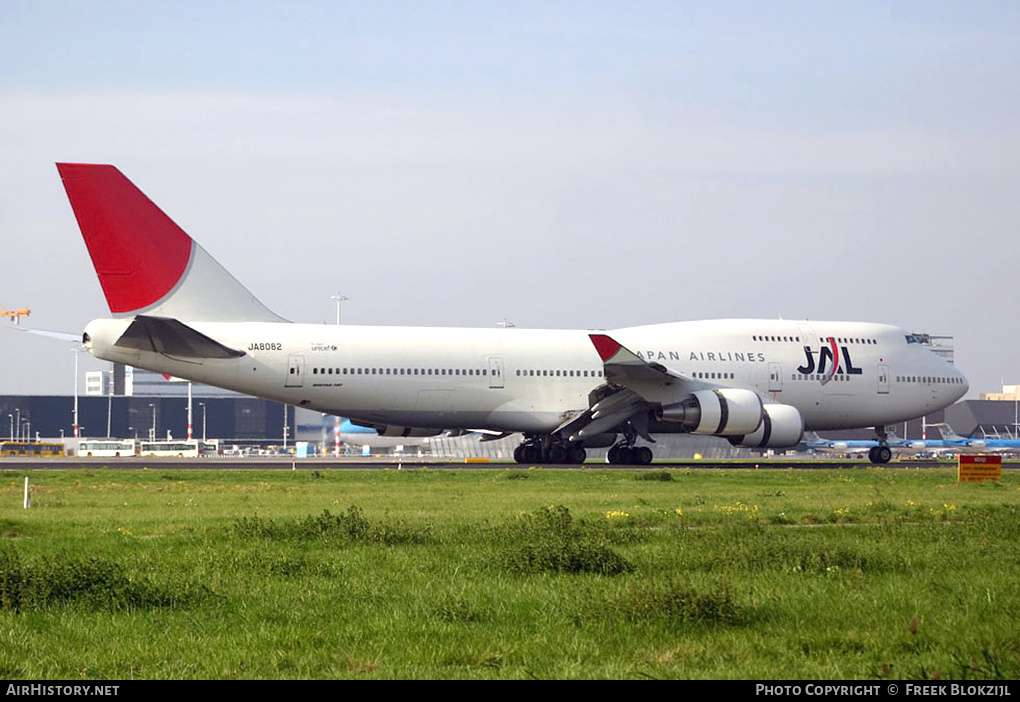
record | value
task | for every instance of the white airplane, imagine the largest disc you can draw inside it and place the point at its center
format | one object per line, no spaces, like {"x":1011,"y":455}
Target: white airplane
{"x":759,"y":383}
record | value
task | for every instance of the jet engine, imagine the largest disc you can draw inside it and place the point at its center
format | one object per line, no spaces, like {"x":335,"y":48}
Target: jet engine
{"x":722,"y":412}
{"x":781,"y":427}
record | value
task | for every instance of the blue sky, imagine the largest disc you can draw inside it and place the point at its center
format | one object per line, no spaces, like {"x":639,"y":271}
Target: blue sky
{"x":560,"y":164}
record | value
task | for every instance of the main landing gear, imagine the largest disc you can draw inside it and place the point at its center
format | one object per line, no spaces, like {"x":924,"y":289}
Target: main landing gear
{"x":549,"y":450}
{"x":546,"y":449}
{"x":626,"y":454}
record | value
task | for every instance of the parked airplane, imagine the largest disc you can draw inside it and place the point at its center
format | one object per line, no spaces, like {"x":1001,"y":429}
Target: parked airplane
{"x":952,"y":440}
{"x":362,"y":437}
{"x":814,"y":442}
{"x":759,"y":383}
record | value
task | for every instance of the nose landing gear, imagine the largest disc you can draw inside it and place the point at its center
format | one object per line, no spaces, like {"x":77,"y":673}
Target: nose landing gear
{"x":881,"y":453}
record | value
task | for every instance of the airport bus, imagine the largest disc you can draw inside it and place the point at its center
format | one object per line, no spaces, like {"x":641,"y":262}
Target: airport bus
{"x":31,"y":448}
{"x":209,"y":447}
{"x":181,"y":448}
{"x":106,"y":447}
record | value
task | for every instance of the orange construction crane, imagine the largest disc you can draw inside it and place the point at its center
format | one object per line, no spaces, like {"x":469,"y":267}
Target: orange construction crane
{"x":15,"y":315}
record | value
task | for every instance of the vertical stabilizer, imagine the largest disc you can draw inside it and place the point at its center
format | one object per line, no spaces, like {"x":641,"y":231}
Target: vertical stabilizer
{"x":947,"y":432}
{"x":147,"y":264}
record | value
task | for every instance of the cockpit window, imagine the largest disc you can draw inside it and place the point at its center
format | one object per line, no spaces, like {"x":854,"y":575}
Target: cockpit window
{"x":913,"y":339}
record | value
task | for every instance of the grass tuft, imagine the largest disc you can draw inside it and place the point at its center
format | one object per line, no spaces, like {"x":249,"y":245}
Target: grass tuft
{"x":93,"y":582}
{"x":548,"y":540}
{"x":346,"y":527}
{"x":663,"y":476}
{"x":674,"y":604}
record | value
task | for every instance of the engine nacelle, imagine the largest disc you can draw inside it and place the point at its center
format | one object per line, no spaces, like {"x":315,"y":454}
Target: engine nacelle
{"x":721,"y":412}
{"x":781,"y":427}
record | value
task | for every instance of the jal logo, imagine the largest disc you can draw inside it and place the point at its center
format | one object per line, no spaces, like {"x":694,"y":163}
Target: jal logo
{"x":827,"y":361}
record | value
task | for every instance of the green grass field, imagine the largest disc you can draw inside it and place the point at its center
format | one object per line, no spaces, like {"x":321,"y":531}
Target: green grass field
{"x":746,"y":574}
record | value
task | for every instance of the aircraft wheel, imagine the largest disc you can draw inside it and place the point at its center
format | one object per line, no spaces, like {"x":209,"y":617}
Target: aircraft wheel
{"x":879,"y":454}
{"x":557,"y":454}
{"x":621,"y":455}
{"x":577,"y":455}
{"x":642,"y":455}
{"x":531,"y":453}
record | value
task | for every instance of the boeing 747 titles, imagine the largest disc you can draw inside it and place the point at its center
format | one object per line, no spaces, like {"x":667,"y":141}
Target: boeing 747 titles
{"x":759,"y":383}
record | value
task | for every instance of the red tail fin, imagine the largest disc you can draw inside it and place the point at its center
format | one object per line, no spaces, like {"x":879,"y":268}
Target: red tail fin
{"x":145,"y":262}
{"x":135,"y":271}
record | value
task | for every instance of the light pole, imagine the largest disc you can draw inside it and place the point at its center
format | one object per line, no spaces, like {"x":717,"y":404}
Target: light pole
{"x":75,"y":351}
{"x":152,"y":431}
{"x":340,"y":299}
{"x":109,"y":407}
{"x":202,"y":405}
{"x":12,"y":425}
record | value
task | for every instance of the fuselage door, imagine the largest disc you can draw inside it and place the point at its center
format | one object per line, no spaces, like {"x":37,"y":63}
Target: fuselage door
{"x":295,"y":372}
{"x":775,"y":377}
{"x":883,"y":379}
{"x":496,"y":372}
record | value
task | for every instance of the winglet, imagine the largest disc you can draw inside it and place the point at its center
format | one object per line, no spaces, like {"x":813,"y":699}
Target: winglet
{"x":622,"y":364}
{"x":605,"y":345}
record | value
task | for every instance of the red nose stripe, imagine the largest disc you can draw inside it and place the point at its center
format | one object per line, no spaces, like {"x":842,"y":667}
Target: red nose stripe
{"x":138,"y":252}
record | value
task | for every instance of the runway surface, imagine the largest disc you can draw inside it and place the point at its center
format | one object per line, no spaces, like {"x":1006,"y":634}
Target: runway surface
{"x":363,"y":463}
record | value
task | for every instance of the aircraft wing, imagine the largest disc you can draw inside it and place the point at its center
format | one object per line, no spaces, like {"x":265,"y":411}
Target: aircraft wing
{"x":633,"y":388}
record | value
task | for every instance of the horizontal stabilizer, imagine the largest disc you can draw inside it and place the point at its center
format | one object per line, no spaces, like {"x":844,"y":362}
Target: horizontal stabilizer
{"x":63,"y":336}
{"x":172,"y":338}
